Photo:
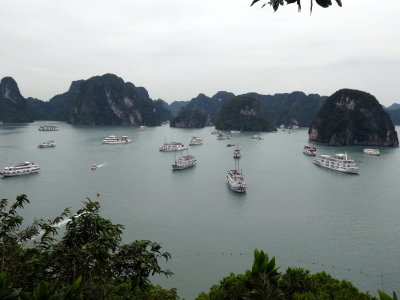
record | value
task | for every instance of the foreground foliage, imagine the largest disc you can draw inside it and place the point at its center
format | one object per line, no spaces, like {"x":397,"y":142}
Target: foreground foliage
{"x":276,"y":3}
{"x":87,"y":262}
{"x":264,"y":281}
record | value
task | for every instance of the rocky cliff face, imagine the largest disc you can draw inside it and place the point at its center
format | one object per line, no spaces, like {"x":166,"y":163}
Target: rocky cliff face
{"x":351,"y":117}
{"x":9,"y":90}
{"x":13,"y":107}
{"x":109,"y":100}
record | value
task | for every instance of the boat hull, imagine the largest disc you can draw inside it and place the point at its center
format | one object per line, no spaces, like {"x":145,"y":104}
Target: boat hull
{"x":113,"y":143}
{"x":178,"y":167}
{"x":13,"y":174}
{"x":310,"y":153}
{"x":338,"y":169}
{"x":237,"y":188}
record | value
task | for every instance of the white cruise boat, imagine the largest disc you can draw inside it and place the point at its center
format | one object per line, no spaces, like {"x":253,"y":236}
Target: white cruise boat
{"x":340,"y":162}
{"x":20,"y":169}
{"x":195,"y":140}
{"x":48,"y":128}
{"x":142,"y":127}
{"x":184,"y":162}
{"x":310,"y":150}
{"x":47,"y":144}
{"x":235,"y":131}
{"x":215,"y":132}
{"x":236,"y":181}
{"x":375,"y":152}
{"x":172,"y":146}
{"x":112,"y":139}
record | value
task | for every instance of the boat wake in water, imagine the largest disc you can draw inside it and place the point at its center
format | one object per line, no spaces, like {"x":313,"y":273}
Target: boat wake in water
{"x":58,"y":225}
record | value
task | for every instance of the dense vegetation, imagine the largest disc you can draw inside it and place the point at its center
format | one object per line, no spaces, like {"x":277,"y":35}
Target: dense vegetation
{"x":189,"y":118}
{"x":263,"y":281}
{"x":204,"y":104}
{"x":295,"y":108}
{"x":242,"y":113}
{"x":351,"y":117}
{"x":89,"y":261}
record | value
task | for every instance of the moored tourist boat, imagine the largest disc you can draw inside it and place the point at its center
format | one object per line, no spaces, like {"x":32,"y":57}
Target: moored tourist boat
{"x":112,"y":139}
{"x":310,"y":150}
{"x":257,"y":137}
{"x":215,"y":132}
{"x":195,"y":140}
{"x":142,"y":127}
{"x":48,"y":128}
{"x":237,"y":153}
{"x":20,"y":169}
{"x":375,"y":152}
{"x":184,"y":162}
{"x":339,"y":162}
{"x":47,"y":144}
{"x":235,"y":131}
{"x":222,"y":136}
{"x":236,"y":181}
{"x":172,"y":146}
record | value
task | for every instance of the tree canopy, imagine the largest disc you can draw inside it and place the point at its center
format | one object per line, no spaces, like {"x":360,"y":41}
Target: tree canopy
{"x":276,"y":3}
{"x":88,"y":261}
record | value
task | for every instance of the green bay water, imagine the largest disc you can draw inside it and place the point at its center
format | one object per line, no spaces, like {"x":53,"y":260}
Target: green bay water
{"x":306,"y":216}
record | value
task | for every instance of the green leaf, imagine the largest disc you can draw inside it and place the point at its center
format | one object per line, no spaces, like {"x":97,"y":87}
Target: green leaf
{"x":324,"y":3}
{"x":254,"y":1}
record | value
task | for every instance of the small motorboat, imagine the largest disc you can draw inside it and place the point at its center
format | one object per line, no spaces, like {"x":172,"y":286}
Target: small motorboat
{"x":374,"y":152}
{"x":93,"y":167}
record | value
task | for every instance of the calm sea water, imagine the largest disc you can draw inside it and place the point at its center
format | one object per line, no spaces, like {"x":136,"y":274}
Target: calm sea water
{"x":306,"y":216}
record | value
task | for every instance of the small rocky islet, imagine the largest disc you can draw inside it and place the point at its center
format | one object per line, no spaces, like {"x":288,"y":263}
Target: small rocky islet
{"x":352,"y":117}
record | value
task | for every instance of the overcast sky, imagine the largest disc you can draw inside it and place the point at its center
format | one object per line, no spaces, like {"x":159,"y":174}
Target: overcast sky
{"x":177,"y":49}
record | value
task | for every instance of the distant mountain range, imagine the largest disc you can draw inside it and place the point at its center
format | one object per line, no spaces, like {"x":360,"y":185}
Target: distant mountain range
{"x":108,"y":100}
{"x":294,"y":108}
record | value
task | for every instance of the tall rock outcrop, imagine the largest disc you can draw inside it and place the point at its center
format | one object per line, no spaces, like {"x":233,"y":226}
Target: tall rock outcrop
{"x":13,"y":107}
{"x":351,"y":117}
{"x":108,"y":100}
{"x":242,"y":113}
